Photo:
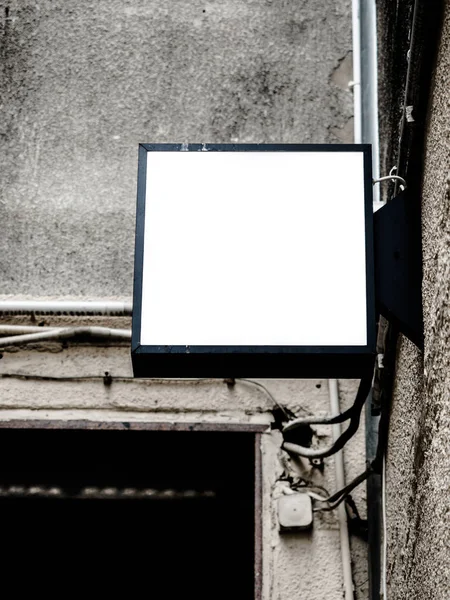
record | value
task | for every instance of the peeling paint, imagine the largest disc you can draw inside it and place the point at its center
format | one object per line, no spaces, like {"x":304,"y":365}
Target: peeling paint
{"x":342,"y":74}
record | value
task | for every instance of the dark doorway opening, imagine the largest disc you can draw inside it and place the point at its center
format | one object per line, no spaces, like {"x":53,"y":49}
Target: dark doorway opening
{"x":158,"y":514}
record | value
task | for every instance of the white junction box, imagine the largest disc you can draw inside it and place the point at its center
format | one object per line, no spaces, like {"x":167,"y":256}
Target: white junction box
{"x":295,"y":512}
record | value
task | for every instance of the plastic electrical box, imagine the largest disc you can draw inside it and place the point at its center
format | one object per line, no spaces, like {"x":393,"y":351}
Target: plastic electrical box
{"x":295,"y":512}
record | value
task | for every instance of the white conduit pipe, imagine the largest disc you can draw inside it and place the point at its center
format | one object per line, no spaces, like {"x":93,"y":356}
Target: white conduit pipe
{"x":64,"y":333}
{"x":369,"y":87}
{"x":22,"y":329}
{"x":340,"y":483}
{"x":356,"y":42}
{"x":63,"y":307}
{"x":25,"y":329}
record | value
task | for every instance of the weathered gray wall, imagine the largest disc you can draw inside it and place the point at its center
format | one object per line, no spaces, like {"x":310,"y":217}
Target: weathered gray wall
{"x":82,"y":83}
{"x":418,"y":467}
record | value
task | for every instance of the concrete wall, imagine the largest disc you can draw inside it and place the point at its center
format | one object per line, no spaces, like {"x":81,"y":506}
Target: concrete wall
{"x":82,"y":84}
{"x":418,"y":467}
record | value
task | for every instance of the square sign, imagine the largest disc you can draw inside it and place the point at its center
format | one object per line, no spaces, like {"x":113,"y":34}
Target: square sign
{"x":253,"y":261}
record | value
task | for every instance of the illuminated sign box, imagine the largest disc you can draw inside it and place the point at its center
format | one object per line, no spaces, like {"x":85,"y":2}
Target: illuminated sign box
{"x":253,"y":261}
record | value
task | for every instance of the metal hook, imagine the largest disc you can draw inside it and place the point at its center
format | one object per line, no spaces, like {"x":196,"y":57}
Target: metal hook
{"x":391,"y":178}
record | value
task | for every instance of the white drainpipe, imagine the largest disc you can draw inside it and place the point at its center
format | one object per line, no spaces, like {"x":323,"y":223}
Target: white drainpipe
{"x":340,"y":483}
{"x":356,"y":41}
{"x":372,"y":122}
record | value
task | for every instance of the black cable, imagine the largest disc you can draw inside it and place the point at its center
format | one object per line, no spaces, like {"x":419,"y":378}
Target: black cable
{"x":355,"y":414}
{"x":269,"y":395}
{"x":121,"y":379}
{"x":335,"y":499}
{"x":347,"y":414}
{"x":374,"y":467}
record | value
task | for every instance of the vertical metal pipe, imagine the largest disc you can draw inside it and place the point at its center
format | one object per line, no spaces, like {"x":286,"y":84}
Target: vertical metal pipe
{"x":340,"y":483}
{"x":356,"y":41}
{"x":370,"y":135}
{"x":369,"y":88}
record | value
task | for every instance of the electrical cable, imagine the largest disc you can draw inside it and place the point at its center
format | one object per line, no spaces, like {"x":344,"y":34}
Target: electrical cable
{"x":268,"y":394}
{"x":302,"y":421}
{"x":354,"y":413}
{"x":308,"y":484}
{"x":65,"y":333}
{"x":376,"y":466}
{"x":107,"y":377}
{"x":313,"y":495}
{"x":124,"y":379}
{"x":334,"y":500}
{"x":121,"y":379}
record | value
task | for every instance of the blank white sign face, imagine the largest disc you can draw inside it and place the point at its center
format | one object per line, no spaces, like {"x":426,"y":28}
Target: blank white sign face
{"x":254,"y":249}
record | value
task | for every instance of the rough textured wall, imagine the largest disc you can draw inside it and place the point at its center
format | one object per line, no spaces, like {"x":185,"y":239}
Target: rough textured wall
{"x":418,"y":473}
{"x":393,"y":28}
{"x":84,"y":82}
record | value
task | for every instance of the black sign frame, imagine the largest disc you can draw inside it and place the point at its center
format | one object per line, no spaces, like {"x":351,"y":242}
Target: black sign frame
{"x":252,"y":361}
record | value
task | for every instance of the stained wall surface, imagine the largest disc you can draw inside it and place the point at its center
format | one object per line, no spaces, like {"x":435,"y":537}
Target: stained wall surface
{"x":418,"y":466}
{"x":82,"y":83}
